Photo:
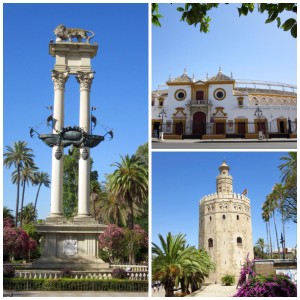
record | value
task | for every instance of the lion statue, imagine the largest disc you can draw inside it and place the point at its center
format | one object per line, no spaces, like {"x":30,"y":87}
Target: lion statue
{"x":64,"y":33}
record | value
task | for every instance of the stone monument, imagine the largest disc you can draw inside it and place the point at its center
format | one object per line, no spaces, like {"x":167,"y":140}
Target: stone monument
{"x":71,"y":243}
{"x":225,"y":229}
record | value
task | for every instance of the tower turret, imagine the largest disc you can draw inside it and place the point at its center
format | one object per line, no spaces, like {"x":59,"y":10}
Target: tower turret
{"x":224,"y":180}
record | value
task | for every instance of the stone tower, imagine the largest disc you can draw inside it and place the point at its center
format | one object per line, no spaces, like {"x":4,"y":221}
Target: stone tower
{"x":225,"y":229}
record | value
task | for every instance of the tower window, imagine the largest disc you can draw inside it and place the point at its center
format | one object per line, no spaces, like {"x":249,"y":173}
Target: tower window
{"x":210,"y":243}
{"x":223,"y":217}
{"x":239,"y":241}
{"x":237,"y":217}
{"x":209,"y":218}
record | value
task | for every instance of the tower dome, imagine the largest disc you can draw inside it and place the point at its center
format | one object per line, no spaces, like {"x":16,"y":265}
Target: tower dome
{"x":224,"y":179}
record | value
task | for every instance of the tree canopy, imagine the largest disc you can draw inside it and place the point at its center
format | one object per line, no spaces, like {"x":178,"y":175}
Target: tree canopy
{"x":197,"y":14}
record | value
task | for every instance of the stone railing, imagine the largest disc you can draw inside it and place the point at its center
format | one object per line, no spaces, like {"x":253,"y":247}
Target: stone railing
{"x":133,"y":275}
{"x":135,"y":268}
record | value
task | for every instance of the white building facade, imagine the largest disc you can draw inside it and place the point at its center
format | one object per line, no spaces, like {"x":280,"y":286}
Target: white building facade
{"x":222,"y":107}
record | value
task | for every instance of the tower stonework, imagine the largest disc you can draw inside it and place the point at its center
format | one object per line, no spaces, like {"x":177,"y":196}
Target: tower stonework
{"x":225,"y":227}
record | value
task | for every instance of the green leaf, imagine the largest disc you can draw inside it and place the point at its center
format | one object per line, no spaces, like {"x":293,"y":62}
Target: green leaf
{"x":278,"y":22}
{"x":288,"y":24}
{"x":180,"y":8}
{"x":294,"y":31}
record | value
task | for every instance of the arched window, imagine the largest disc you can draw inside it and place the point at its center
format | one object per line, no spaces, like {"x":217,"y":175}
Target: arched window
{"x":209,"y":218}
{"x":223,"y":217}
{"x":239,"y":241}
{"x":237,"y":217}
{"x":210,"y":242}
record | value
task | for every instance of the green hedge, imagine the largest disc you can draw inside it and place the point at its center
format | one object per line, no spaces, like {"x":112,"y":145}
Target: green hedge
{"x":22,"y":284}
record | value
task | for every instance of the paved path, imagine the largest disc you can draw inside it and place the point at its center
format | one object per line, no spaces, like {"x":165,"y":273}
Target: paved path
{"x":74,"y":294}
{"x":212,"y":290}
{"x":215,"y":290}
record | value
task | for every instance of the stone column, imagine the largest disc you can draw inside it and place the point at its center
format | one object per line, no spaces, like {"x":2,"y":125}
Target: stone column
{"x":59,"y":79}
{"x":85,"y":81}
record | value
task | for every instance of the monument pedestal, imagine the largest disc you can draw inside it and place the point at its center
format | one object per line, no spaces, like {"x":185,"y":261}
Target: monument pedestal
{"x":70,"y":244}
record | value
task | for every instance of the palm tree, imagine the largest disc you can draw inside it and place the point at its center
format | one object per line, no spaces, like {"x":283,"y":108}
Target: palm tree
{"x":289,"y":167}
{"x":175,"y":262}
{"x":261,"y":244}
{"x":40,"y":178}
{"x":27,"y":175}
{"x":266,"y":214}
{"x":277,"y":197}
{"x":19,"y":155}
{"x":129,"y":183}
{"x":29,"y":213}
{"x":272,"y":206}
{"x":7,"y":213}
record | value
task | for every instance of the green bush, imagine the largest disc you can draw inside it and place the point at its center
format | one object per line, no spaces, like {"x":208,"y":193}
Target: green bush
{"x":8,"y":271}
{"x":228,"y":279}
{"x":63,"y":284}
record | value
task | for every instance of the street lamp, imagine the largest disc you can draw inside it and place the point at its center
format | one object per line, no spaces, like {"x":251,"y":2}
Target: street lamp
{"x":258,"y":113}
{"x":161,"y":115}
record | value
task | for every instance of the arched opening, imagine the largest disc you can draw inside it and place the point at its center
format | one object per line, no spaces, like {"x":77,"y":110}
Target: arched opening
{"x":199,"y":123}
{"x":209,"y":218}
{"x":210,"y":242}
{"x":239,"y":241}
{"x":237,"y":217}
{"x":223,"y":217}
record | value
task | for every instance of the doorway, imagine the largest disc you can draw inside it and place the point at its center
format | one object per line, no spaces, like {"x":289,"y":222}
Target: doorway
{"x":179,"y":128}
{"x":241,"y":127}
{"x":199,"y":123}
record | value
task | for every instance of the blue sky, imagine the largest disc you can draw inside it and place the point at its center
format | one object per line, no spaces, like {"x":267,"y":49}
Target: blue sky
{"x":180,"y":180}
{"x":243,"y":45}
{"x":119,"y":89}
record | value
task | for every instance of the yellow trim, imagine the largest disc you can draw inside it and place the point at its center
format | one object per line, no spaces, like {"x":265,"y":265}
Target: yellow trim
{"x":180,"y":83}
{"x":276,"y":95}
{"x":176,"y":121}
{"x":178,"y":91}
{"x":200,"y":88}
{"x":217,"y":90}
{"x":285,"y":124}
{"x":261,"y":120}
{"x":161,"y":99}
{"x":156,"y":121}
{"x":220,"y":82}
{"x":219,"y":121}
{"x":242,"y":120}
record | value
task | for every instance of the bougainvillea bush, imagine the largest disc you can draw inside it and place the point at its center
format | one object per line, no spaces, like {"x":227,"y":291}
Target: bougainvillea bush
{"x":268,"y":286}
{"x":16,"y":242}
{"x":119,"y":274}
{"x":247,"y":269}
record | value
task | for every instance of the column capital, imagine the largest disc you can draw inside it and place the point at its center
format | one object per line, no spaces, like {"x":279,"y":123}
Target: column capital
{"x":85,"y":79}
{"x":59,"y":79}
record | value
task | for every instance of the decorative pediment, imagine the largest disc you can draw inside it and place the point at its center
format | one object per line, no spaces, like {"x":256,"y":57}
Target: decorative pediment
{"x":220,"y":112}
{"x":179,"y":113}
{"x":200,"y":82}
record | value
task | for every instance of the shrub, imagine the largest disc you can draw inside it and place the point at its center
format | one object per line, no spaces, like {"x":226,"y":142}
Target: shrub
{"x":8,"y":271}
{"x":65,"y":273}
{"x":228,"y":279}
{"x":25,"y":284}
{"x":246,"y":269}
{"x":119,"y":274}
{"x":268,"y":286}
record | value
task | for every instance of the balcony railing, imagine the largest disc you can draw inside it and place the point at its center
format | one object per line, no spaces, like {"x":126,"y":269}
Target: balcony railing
{"x":198,"y":102}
